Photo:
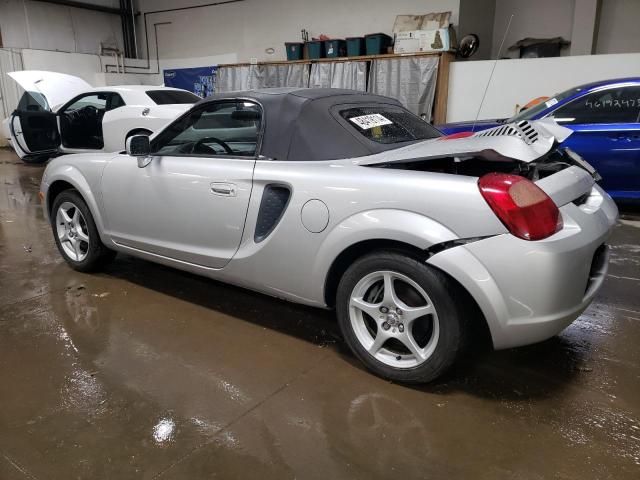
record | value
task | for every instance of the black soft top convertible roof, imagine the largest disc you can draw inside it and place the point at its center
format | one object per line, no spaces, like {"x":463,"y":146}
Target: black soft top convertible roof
{"x":299,"y":124}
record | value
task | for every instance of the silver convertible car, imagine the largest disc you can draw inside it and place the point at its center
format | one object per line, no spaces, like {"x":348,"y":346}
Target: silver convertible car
{"x":339,"y":199}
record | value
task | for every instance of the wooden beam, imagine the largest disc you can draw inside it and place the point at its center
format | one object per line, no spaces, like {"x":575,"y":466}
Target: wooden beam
{"x":85,"y":6}
{"x":362,"y":58}
{"x":442,"y":89}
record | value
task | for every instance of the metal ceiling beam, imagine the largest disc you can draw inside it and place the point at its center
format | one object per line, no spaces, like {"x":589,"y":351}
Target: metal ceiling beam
{"x":85,"y":6}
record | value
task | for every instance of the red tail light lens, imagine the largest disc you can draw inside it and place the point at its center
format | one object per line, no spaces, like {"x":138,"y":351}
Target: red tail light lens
{"x":526,"y":210}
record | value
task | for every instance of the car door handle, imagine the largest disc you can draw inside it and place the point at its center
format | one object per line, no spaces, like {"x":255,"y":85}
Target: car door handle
{"x":223,"y":189}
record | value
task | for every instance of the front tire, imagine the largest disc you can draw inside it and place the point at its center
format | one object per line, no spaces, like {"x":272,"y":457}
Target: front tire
{"x":399,"y":318}
{"x":76,"y":235}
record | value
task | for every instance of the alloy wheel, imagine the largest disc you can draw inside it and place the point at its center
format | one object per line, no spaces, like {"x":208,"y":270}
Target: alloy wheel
{"x":72,"y":231}
{"x":394,"y":319}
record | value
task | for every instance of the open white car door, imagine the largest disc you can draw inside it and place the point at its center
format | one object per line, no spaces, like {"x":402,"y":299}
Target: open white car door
{"x":33,"y":126}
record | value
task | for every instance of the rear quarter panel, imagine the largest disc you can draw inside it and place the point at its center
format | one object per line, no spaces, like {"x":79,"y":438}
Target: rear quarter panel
{"x":363,"y":203}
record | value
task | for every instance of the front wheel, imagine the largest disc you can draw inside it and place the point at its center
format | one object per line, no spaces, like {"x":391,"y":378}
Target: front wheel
{"x":398,"y":316}
{"x":76,"y":234}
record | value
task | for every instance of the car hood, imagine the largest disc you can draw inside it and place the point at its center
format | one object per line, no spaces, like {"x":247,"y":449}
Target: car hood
{"x":524,"y":141}
{"x":56,"y":87}
{"x":455,"y":127}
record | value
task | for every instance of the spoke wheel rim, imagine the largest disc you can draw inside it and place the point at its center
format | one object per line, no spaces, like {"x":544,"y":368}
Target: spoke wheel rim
{"x":72,"y":231}
{"x":396,"y":332}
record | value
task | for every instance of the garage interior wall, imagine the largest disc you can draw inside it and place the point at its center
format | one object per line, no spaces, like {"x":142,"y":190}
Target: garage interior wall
{"x":9,"y":91}
{"x":618,"y":27}
{"x":45,"y":26}
{"x":247,"y":28}
{"x":614,"y":29}
{"x":539,"y":19}
{"x":244,"y":29}
{"x":477,"y":16}
{"x":517,"y":81}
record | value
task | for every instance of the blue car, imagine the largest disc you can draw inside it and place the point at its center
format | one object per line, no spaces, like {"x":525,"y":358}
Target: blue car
{"x":605,"y":118}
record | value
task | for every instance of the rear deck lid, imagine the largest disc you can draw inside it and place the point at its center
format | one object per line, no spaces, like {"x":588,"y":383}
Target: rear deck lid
{"x":524,"y":141}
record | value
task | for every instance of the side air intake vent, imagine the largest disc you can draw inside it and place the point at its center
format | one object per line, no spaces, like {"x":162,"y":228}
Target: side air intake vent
{"x":273,"y":204}
{"x":523,"y":130}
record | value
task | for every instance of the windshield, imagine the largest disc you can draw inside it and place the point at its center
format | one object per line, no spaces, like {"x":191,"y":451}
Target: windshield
{"x":530,"y":113}
{"x":172,"y":97}
{"x":388,"y":124}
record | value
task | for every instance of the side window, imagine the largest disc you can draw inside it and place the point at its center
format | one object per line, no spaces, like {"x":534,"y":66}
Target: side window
{"x":615,"y":105}
{"x":228,"y":127}
{"x":115,"y":101}
{"x":92,"y":102}
{"x":33,"y":102}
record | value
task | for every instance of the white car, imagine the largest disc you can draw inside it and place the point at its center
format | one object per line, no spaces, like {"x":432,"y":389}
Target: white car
{"x":61,"y":114}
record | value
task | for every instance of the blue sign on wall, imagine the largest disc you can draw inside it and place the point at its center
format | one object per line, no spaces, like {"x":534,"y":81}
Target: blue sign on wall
{"x":200,"y":80}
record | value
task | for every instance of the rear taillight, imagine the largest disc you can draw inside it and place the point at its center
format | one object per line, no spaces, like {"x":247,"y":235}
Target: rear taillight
{"x":525,"y":209}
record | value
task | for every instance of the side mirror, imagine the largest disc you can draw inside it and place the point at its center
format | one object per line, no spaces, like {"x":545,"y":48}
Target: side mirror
{"x":138,"y":146}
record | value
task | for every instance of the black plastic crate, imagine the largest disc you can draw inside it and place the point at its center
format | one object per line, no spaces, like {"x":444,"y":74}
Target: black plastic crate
{"x":335,"y":48}
{"x":355,"y":46}
{"x":294,"y":50}
{"x":315,"y":49}
{"x":377,"y":43}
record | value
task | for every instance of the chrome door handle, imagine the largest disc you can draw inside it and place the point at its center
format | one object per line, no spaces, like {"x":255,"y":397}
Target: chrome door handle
{"x":223,"y":189}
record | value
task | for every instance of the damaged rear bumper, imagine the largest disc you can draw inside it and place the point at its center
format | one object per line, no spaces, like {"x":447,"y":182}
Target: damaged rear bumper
{"x":530,"y":291}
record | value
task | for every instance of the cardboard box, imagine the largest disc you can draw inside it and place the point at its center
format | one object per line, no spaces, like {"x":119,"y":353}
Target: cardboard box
{"x":438,"y":40}
{"x":430,"y":21}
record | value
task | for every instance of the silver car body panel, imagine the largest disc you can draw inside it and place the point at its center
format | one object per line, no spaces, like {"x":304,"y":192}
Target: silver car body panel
{"x":189,"y":222}
{"x":167,"y":212}
{"x":511,"y":145}
{"x":529,"y":291}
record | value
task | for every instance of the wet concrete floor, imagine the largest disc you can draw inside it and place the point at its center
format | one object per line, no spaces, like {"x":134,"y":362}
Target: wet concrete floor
{"x":147,"y":372}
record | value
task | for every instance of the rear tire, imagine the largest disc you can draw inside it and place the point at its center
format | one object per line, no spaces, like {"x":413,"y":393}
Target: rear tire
{"x":400,"y":317}
{"x":76,"y":235}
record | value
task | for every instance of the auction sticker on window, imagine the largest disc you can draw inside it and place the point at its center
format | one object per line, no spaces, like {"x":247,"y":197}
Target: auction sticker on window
{"x":365,"y":122}
{"x":551,"y":102}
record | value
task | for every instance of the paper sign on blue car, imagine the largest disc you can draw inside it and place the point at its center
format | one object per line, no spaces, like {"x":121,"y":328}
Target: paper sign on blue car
{"x":365,"y":122}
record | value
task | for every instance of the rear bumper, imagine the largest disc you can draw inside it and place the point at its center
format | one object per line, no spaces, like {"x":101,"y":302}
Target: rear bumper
{"x":530,"y":291}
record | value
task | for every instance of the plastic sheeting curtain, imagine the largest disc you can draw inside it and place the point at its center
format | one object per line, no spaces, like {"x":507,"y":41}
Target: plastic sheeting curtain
{"x":231,"y":79}
{"x":411,"y":80}
{"x":352,"y":75}
{"x":262,"y":76}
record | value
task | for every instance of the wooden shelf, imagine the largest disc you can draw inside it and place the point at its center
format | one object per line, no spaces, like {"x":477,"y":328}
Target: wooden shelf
{"x":362,"y":58}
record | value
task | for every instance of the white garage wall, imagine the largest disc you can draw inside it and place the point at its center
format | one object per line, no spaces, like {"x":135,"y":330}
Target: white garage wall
{"x":38,"y":25}
{"x":477,"y":16}
{"x":245,"y":29}
{"x":618,"y":31}
{"x":81,"y":65}
{"x":520,"y":80}
{"x":9,"y":91}
{"x":89,"y":67}
{"x":538,"y":19}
